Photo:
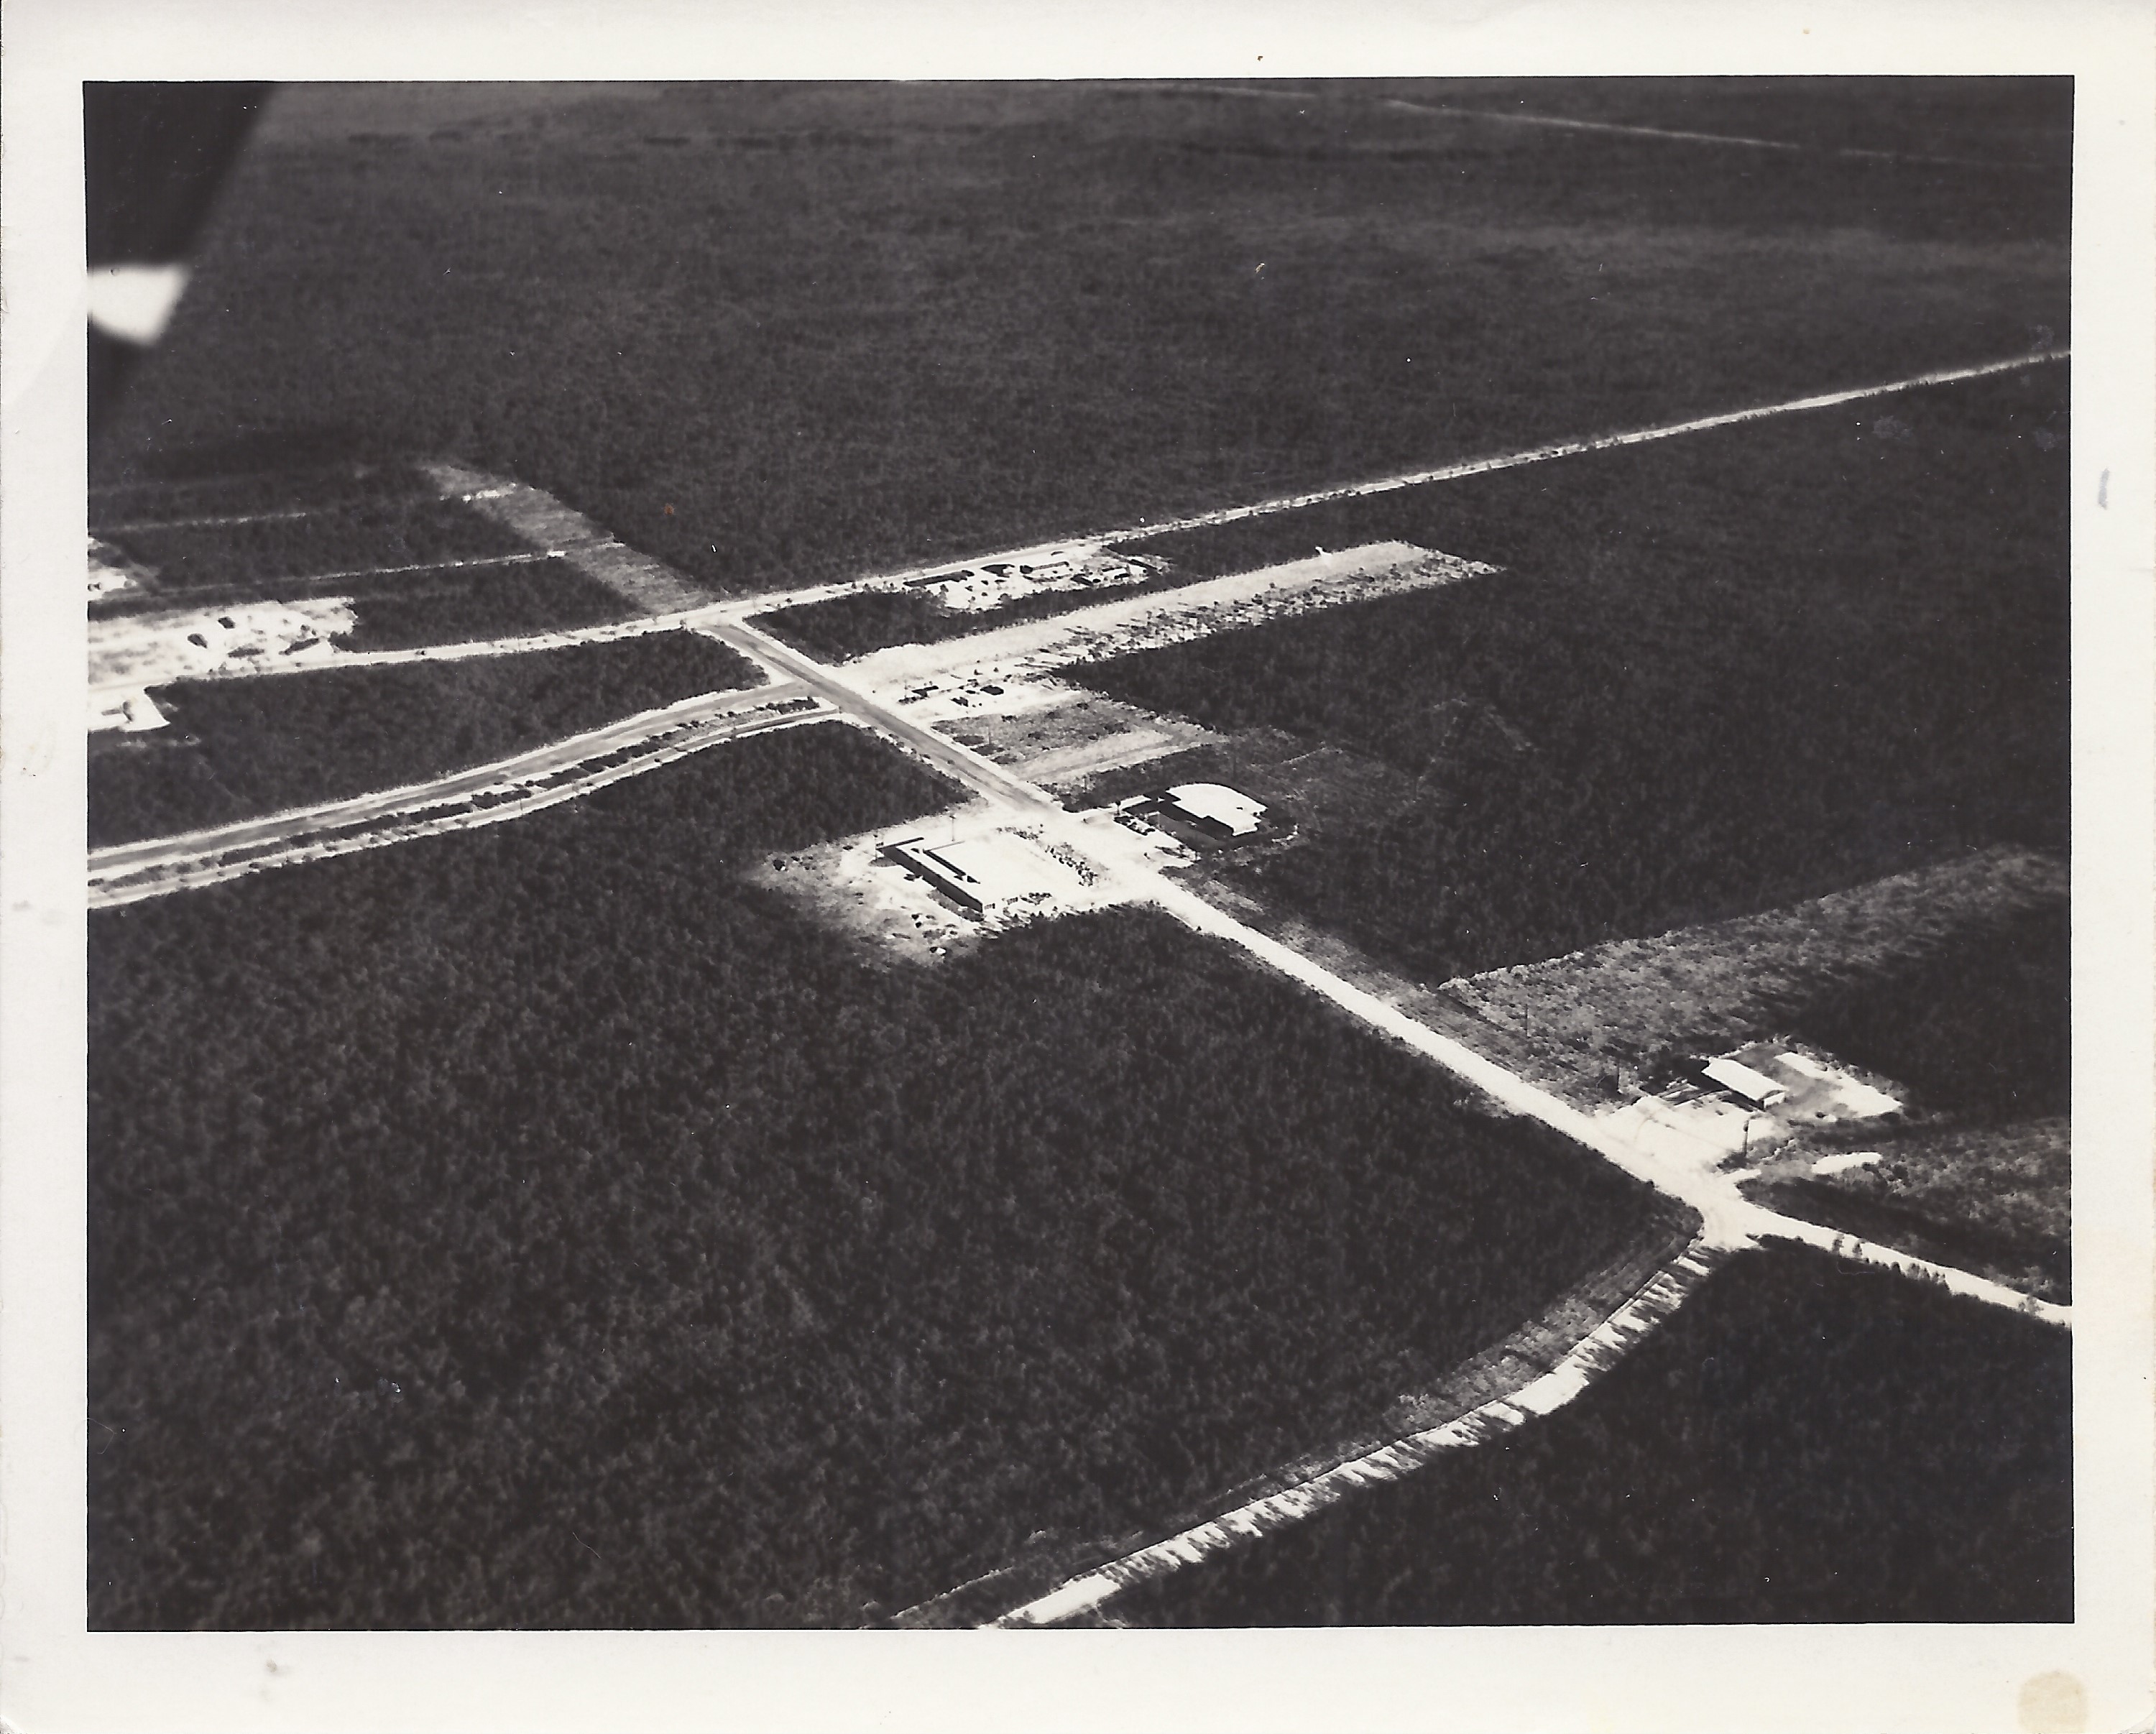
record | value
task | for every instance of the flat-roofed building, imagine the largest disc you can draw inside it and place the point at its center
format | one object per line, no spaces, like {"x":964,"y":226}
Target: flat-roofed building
{"x":985,"y":874}
{"x":1216,"y":806}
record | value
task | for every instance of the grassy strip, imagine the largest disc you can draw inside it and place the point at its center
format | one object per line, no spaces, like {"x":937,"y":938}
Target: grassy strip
{"x":1803,"y":1441}
{"x":236,"y":749}
{"x":1693,"y":692}
{"x":528,"y":1226}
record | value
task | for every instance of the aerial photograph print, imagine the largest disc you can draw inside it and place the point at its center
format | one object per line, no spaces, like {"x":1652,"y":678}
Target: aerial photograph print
{"x":1170,"y":853}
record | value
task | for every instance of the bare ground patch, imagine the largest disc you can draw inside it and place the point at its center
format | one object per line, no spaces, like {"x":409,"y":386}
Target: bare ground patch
{"x":852,"y":885}
{"x":1087,"y":735}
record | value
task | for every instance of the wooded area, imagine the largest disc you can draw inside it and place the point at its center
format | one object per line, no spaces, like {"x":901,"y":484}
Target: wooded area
{"x":235,"y":748}
{"x":1804,"y":1440}
{"x":271,"y":555}
{"x":1716,"y":673}
{"x":534,"y":1226}
{"x":776,"y":334}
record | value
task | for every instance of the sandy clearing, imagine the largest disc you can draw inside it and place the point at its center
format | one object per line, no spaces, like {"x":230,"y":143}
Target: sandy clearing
{"x":134,"y":651}
{"x":1010,"y":668}
{"x":1110,"y":752}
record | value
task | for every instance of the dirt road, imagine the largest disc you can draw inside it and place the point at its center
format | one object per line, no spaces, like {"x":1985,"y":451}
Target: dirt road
{"x":484,"y":794}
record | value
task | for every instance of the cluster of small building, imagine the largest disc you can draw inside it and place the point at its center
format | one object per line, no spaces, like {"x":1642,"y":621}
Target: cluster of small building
{"x":975,"y":589}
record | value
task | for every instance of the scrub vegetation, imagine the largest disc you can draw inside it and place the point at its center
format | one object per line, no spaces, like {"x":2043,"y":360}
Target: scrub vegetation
{"x":536,"y":1226}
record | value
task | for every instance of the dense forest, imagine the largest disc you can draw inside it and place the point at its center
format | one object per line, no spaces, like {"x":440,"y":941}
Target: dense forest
{"x":780,"y":333}
{"x":1716,"y":673}
{"x":236,"y":748}
{"x":1981,"y":1027}
{"x":1804,"y":1440}
{"x":536,"y":1226}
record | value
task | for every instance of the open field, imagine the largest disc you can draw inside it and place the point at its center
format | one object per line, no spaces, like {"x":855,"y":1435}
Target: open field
{"x":1803,"y":1441}
{"x":777,"y":334}
{"x":745,"y":1281}
{"x":234,"y":749}
{"x":1691,"y":692}
{"x":1008,"y":668}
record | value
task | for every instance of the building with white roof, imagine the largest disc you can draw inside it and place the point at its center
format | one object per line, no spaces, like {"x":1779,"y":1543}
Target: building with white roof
{"x":986,"y":874}
{"x":1755,"y":1087}
{"x":1216,"y":806}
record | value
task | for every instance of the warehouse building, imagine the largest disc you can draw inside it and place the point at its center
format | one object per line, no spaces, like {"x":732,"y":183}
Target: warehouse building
{"x":987,"y":874}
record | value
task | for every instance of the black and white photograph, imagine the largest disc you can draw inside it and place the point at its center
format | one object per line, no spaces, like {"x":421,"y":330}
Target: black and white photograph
{"x":1210,"y":856}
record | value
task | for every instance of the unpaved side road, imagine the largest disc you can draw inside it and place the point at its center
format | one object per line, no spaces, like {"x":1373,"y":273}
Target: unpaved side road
{"x":484,"y":794}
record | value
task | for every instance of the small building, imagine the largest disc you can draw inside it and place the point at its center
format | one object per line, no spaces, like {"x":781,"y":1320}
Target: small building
{"x":1216,"y":807}
{"x":1755,"y":1087}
